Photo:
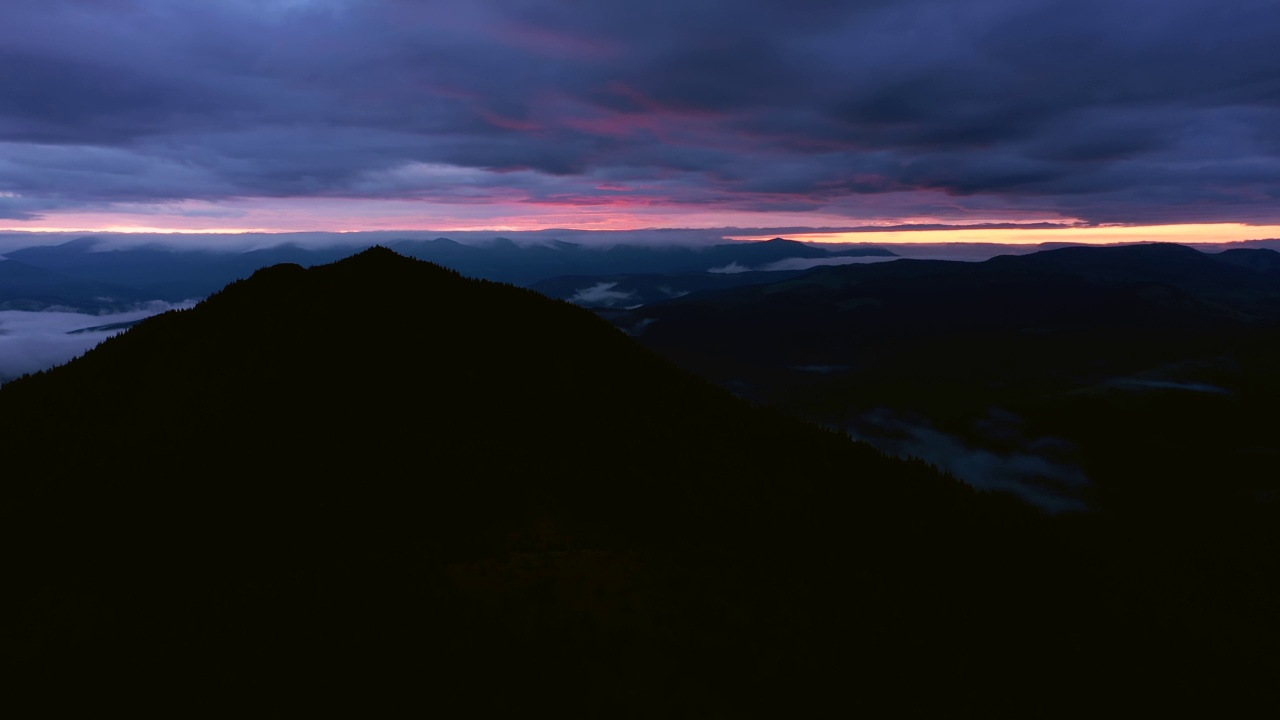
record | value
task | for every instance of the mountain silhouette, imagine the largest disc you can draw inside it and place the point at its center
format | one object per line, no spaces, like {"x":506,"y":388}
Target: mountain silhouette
{"x":463,"y":495}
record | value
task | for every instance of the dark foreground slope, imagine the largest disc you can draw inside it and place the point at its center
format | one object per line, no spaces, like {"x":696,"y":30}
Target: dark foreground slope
{"x":379,"y":477}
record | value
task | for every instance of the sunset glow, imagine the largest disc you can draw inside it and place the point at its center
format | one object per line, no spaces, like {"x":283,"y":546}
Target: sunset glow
{"x":786,"y":223}
{"x":1204,"y":233}
{"x":621,"y":209}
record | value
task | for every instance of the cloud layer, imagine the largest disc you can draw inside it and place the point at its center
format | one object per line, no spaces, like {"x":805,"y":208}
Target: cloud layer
{"x":33,"y":341}
{"x":1100,"y":111}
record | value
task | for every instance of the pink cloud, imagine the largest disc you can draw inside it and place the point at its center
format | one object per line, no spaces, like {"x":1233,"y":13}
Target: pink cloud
{"x":556,"y":43}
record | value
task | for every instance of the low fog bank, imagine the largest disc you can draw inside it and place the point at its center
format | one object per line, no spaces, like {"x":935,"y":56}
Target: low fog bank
{"x":34,"y":341}
{"x":792,"y":264}
{"x":603,"y":294}
{"x":1039,"y":470}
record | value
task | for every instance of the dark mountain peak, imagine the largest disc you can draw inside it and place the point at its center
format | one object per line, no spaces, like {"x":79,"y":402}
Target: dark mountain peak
{"x":1141,"y":250}
{"x":376,"y":253}
{"x":83,"y":244}
{"x":1263,"y":259}
{"x":1081,"y":255}
{"x":435,"y":245}
{"x":1218,"y":281}
{"x":376,"y":271}
{"x":779,"y":243}
{"x":1249,"y":252}
{"x":274,"y":273}
{"x":761,"y":252}
{"x":764,"y":251}
{"x":1150,"y":259}
{"x":369,"y":263}
{"x":771,"y":243}
{"x":364,"y":366}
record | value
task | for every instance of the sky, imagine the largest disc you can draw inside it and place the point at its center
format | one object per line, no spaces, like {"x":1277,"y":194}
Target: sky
{"x":1082,"y":117}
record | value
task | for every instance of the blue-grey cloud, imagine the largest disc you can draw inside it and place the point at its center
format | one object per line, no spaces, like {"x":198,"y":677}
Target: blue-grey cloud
{"x":1115,"y":111}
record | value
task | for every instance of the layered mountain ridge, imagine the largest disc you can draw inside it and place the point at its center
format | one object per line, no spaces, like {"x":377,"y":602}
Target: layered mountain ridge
{"x":160,"y":272}
{"x":1078,"y":371}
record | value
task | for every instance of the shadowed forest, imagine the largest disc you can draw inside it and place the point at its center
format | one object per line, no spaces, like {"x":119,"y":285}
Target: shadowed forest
{"x":379,"y":476}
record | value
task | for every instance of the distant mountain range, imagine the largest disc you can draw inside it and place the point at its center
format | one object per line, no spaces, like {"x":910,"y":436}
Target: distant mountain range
{"x":27,"y":287}
{"x":632,"y":290}
{"x":86,"y":275}
{"x":1053,"y":374}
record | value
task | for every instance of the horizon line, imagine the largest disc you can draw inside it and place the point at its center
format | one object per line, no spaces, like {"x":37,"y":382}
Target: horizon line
{"x":913,"y":233}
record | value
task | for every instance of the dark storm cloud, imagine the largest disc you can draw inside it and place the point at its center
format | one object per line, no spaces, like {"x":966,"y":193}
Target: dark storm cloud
{"x":1116,"y":111}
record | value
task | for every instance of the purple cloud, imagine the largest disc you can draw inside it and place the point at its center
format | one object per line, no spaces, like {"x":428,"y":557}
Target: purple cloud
{"x":1104,"y":112}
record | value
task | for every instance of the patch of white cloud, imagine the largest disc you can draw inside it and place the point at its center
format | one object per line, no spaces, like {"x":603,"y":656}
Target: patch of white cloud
{"x":800,"y":264}
{"x":808,"y":263}
{"x":603,"y":294}
{"x":35,"y":341}
{"x":1031,"y":472}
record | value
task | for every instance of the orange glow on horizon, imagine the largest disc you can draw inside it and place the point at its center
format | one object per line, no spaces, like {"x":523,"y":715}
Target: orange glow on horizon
{"x":1187,"y":233}
{"x":338,"y":215}
{"x":1194,"y":233}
